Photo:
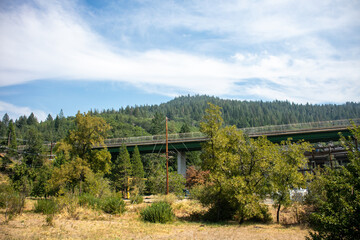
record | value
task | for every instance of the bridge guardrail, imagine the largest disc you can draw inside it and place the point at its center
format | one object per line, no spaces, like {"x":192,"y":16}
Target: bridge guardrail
{"x":253,"y":131}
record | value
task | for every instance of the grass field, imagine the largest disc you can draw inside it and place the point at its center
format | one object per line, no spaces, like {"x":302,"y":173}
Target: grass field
{"x":90,"y":224}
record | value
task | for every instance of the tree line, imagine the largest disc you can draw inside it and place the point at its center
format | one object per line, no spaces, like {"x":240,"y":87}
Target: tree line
{"x":185,"y":114}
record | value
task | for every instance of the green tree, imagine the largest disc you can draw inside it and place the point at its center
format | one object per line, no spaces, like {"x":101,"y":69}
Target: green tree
{"x":239,"y":170}
{"x":285,"y":174}
{"x":89,"y":131}
{"x":69,"y":176}
{"x":337,"y":210}
{"x":76,"y":160}
{"x":121,"y":170}
{"x":12,"y":143}
{"x":158,"y":124}
{"x":34,"y":152}
{"x":185,"y":128}
{"x":136,"y":164}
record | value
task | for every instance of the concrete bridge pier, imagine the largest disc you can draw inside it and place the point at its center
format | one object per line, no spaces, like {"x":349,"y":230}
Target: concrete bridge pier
{"x":181,"y":163}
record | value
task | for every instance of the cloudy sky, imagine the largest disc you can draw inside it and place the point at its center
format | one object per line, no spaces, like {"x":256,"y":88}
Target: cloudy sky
{"x":84,"y":54}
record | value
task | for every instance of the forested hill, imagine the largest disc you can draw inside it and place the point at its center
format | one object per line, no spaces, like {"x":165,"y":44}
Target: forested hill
{"x":258,"y":113}
{"x":185,"y":113}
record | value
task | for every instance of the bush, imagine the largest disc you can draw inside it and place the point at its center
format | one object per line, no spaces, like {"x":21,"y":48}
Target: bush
{"x":69,"y":203}
{"x":12,"y":201}
{"x":157,"y":182}
{"x":136,"y":199}
{"x":46,"y":206}
{"x":113,"y":205}
{"x":158,"y":212}
{"x":89,"y":200}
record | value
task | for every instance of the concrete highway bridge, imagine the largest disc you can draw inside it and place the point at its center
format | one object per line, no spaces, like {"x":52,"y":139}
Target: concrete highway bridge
{"x":180,"y":143}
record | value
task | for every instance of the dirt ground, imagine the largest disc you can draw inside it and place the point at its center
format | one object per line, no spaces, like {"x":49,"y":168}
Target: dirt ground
{"x":90,"y":224}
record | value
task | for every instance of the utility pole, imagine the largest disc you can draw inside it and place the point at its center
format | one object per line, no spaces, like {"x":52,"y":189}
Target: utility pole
{"x":167,"y":158}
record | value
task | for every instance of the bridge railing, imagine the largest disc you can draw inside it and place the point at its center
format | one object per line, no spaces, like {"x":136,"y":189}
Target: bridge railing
{"x":285,"y":128}
{"x":253,"y":131}
{"x":154,"y":139}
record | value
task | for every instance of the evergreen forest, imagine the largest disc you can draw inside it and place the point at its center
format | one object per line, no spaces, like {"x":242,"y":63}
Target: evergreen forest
{"x":185,"y":114}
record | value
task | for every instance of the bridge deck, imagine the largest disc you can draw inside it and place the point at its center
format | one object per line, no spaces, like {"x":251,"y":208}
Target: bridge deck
{"x":312,"y":132}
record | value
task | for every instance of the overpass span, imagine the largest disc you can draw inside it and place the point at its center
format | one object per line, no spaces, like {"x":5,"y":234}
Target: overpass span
{"x":325,"y":131}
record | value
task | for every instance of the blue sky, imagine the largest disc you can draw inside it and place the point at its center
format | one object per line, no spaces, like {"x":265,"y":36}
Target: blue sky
{"x":82,"y":55}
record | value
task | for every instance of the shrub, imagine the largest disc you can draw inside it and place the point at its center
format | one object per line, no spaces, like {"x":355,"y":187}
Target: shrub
{"x":46,"y":206}
{"x":12,"y":201}
{"x":113,"y":205}
{"x":69,"y":203}
{"x":136,"y":199}
{"x":158,"y":212}
{"x":89,"y":200}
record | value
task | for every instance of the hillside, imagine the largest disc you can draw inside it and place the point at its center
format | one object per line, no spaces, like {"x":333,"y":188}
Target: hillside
{"x":145,"y":120}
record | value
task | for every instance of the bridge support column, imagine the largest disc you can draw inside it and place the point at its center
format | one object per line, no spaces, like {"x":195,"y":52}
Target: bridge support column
{"x":181,"y":163}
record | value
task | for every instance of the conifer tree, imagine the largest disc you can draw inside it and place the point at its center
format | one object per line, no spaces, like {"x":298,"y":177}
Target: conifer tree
{"x":136,"y":164}
{"x":12,"y":144}
{"x":121,"y":170}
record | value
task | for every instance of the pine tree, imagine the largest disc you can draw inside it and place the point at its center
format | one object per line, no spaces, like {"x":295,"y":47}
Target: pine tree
{"x":12,"y":143}
{"x":137,"y":165}
{"x":121,"y":170}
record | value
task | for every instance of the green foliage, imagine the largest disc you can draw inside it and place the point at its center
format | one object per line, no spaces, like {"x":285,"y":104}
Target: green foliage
{"x":136,"y":199}
{"x":89,"y":200}
{"x":96,"y":185}
{"x":76,"y":160}
{"x":121,"y":170}
{"x":136,"y":164}
{"x":338,"y":204}
{"x":158,"y":212}
{"x":68,"y":176}
{"x":285,"y":173}
{"x":156,"y":182}
{"x":22,"y":178}
{"x":244,"y":171}
{"x":11,"y":135}
{"x":158,"y":124}
{"x":34,"y":153}
{"x":40,"y":183}
{"x":46,"y":206}
{"x":113,"y":205}
{"x":12,"y":201}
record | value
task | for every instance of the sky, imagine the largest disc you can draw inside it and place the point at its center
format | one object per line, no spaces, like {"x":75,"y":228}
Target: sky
{"x":92,"y":54}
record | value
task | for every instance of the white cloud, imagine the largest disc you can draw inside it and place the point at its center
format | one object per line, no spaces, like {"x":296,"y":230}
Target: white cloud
{"x":51,"y":41}
{"x":15,"y":112}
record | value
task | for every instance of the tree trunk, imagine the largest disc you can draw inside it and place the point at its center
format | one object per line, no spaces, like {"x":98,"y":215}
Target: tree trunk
{"x":278,"y":214}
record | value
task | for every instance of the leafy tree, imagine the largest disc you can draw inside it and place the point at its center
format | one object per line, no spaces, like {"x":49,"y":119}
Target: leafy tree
{"x":338,"y":208}
{"x":76,"y":160}
{"x":69,"y":176}
{"x":240,"y":170}
{"x":285,"y":173}
{"x":89,"y":131}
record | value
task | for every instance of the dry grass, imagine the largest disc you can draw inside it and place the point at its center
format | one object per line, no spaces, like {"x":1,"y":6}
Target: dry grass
{"x":94,"y":225}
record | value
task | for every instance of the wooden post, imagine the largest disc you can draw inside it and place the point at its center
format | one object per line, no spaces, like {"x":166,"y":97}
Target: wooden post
{"x":167,"y":158}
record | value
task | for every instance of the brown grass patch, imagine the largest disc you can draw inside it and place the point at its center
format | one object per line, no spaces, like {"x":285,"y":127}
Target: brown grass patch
{"x":95,"y":225}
